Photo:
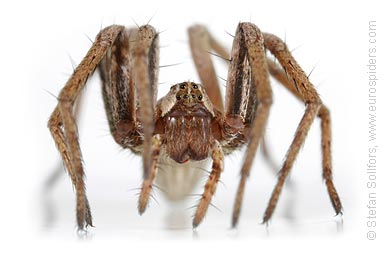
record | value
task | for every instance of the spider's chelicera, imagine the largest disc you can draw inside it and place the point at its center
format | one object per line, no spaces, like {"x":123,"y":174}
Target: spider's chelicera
{"x":189,"y":125}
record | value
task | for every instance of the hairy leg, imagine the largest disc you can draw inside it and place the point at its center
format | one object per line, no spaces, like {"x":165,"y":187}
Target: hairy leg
{"x":313,"y":104}
{"x":62,"y":122}
{"x":129,"y":75}
{"x":211,"y":184}
{"x":248,"y":94}
{"x":147,"y":184}
{"x":324,"y":114}
{"x":119,"y":92}
{"x":145,"y":53}
{"x":201,"y":43}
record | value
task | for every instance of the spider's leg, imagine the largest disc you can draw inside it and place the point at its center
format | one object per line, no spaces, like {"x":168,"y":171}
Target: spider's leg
{"x":51,"y":181}
{"x":147,"y":184}
{"x":145,"y":73}
{"x":129,"y":73}
{"x":211,"y":184}
{"x":62,"y":122}
{"x":248,"y":95}
{"x":119,"y":92}
{"x":129,"y":76}
{"x":313,"y":104}
{"x":324,"y":114}
{"x":201,"y":45}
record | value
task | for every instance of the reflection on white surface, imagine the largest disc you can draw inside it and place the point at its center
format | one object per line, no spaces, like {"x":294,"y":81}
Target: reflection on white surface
{"x":117,"y":216}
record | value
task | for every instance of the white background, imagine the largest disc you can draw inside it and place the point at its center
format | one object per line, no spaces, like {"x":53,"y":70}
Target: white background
{"x":40,"y":41}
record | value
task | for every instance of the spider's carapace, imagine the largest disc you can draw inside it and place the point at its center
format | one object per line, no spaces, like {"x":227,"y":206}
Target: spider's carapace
{"x":187,"y":115}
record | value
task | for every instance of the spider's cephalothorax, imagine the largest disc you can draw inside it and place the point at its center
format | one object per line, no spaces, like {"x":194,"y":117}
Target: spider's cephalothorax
{"x":187,"y":122}
{"x":186,"y":119}
{"x":190,"y":124}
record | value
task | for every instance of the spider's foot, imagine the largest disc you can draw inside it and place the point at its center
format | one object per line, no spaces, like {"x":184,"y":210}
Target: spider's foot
{"x":235,"y":218}
{"x":334,"y":197}
{"x":88,"y":221}
{"x":265,"y":222}
{"x":141,"y":208}
{"x":83,"y":234}
{"x":339,"y":213}
{"x":144,"y":196}
{"x":234,"y":222}
{"x":337,"y":205}
{"x":84,"y":215}
{"x":196,"y":222}
{"x":238,"y":201}
{"x":84,"y":220}
{"x":268,"y":213}
{"x":237,"y":205}
{"x":201,"y":211}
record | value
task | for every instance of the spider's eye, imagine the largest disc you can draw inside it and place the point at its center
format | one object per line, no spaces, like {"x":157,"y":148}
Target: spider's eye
{"x":178,"y":97}
{"x":193,"y":96}
{"x":186,"y":96}
{"x":200,"y":97}
{"x":195,"y":86}
{"x":182,"y":86}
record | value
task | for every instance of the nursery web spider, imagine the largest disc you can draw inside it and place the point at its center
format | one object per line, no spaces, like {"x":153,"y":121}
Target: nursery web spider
{"x":190,"y":124}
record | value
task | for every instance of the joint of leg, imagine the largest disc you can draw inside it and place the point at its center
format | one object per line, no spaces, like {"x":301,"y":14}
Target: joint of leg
{"x":268,"y":101}
{"x":65,"y":99}
{"x":234,"y":123}
{"x":122,"y":131}
{"x":53,"y":126}
{"x":274,"y":43}
{"x":327,"y":175}
{"x":311,"y":97}
{"x":323,"y":112}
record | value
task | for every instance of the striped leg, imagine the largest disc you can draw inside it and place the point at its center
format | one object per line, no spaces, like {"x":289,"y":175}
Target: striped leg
{"x":62,"y":123}
{"x":147,"y":184}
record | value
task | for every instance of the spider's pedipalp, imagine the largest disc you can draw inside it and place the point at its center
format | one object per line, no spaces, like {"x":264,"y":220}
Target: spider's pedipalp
{"x":147,"y":185}
{"x":211,"y":185}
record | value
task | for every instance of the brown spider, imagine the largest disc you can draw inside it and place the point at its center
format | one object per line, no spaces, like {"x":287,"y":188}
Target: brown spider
{"x":190,"y":124}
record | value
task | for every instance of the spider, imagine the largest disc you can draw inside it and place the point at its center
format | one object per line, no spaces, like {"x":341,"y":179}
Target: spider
{"x":190,"y":124}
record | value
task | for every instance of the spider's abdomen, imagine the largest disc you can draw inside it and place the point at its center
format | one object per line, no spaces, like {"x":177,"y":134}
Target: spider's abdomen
{"x":188,"y":136}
